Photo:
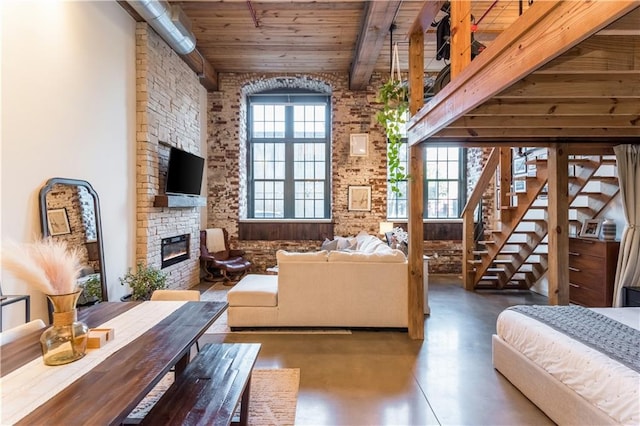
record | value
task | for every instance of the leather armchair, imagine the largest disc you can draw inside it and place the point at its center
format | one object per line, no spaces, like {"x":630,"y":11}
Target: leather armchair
{"x":226,"y":262}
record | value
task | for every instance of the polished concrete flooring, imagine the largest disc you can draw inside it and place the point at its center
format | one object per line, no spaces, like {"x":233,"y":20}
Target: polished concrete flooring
{"x":385,"y":378}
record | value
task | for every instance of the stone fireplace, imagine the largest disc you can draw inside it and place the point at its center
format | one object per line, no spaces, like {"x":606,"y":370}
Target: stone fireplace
{"x":168,"y":106}
{"x":174,"y":250}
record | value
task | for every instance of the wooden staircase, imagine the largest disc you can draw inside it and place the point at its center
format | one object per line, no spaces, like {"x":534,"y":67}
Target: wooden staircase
{"x":514,"y":255}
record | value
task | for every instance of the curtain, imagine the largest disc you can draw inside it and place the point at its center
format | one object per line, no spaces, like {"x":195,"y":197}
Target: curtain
{"x":628,"y":272}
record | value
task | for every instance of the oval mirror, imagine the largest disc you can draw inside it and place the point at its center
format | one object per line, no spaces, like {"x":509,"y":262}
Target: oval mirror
{"x":70,"y":211}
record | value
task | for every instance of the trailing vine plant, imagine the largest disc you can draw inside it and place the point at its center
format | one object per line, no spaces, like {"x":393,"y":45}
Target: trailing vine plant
{"x":394,"y":98}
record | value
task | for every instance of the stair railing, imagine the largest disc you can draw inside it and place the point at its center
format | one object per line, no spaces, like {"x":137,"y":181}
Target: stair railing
{"x":468,"y":225}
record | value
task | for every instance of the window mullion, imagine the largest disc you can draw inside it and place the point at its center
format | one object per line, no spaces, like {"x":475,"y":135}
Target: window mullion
{"x":289,"y":185}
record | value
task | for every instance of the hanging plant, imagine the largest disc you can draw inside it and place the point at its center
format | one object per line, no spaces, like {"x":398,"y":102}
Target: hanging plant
{"x":394,"y":98}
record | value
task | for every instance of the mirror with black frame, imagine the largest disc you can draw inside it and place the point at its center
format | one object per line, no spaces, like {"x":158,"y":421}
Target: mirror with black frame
{"x":70,"y":211}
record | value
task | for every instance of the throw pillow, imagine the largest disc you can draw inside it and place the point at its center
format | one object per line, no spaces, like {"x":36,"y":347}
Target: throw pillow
{"x":329,"y":245}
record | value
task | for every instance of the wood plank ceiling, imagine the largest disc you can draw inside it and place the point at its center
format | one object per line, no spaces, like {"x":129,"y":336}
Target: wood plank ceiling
{"x":322,"y":36}
{"x":591,"y":91}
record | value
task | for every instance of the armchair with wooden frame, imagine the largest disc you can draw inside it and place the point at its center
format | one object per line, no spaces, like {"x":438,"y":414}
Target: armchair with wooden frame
{"x":221,"y":260}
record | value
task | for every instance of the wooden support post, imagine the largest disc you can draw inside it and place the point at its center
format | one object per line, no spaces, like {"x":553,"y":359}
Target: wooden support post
{"x":558,"y":273}
{"x":505,"y":178}
{"x":416,"y":188}
{"x":460,"y":36}
{"x":468,"y":243}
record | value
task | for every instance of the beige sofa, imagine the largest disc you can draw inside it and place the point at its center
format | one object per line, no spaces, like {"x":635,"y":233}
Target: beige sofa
{"x":362,"y":288}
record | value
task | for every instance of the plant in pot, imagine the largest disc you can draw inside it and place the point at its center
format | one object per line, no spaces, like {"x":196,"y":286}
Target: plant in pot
{"x":143,"y":282}
{"x":395,"y":104}
{"x":91,"y":291}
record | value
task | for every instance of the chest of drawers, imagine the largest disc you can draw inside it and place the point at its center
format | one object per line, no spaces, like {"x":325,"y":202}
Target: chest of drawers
{"x":592,"y":270}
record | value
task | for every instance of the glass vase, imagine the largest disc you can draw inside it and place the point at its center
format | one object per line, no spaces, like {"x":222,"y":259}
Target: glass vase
{"x":66,"y":340}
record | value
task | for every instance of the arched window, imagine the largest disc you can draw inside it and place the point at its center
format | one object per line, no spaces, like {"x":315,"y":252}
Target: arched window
{"x":289,"y":157}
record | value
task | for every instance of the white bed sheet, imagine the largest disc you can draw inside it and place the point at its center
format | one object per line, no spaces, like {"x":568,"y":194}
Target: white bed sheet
{"x":605,"y":383}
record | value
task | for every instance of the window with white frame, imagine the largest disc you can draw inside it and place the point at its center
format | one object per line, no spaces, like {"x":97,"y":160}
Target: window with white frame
{"x":444,"y":188}
{"x":289,"y":156}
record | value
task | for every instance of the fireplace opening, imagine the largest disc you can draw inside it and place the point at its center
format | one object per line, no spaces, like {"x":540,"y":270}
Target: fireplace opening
{"x":175,"y":250}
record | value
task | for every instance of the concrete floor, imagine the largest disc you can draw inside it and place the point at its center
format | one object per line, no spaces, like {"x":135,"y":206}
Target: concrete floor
{"x":385,"y":378}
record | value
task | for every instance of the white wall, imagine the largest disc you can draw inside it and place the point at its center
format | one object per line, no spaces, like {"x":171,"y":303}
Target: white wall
{"x":68,"y":110}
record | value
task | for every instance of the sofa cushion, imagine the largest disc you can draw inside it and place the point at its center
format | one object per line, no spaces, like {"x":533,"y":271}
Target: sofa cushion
{"x":313,"y":256}
{"x":254,"y":290}
{"x":392,"y":256}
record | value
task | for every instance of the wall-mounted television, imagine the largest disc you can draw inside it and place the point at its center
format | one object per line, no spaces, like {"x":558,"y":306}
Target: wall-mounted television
{"x":184,"y":174}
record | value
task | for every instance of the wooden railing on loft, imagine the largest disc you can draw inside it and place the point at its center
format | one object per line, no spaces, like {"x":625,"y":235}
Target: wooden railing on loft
{"x":468,"y":222}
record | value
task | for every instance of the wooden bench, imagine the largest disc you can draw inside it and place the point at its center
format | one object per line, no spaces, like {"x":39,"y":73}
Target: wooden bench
{"x":207,"y":392}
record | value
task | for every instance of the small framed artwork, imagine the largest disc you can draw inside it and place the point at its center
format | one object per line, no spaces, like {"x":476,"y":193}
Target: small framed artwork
{"x":58,"y":222}
{"x":519,"y":185}
{"x":360,"y":198}
{"x":359,"y":144}
{"x":591,"y":228}
{"x":519,"y":166}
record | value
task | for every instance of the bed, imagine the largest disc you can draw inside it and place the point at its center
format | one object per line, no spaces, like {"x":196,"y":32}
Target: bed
{"x":572,"y":382}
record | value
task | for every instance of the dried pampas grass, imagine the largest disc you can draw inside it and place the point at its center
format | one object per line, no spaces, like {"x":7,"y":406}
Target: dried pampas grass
{"x":46,"y":265}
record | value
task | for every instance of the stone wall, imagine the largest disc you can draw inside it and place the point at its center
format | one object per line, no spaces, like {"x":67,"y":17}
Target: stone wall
{"x":352,"y":112}
{"x":476,"y":159}
{"x":168,"y":114}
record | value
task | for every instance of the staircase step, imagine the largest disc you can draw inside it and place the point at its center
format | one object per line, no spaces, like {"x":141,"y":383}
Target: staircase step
{"x":609,"y":179}
{"x":480,"y":252}
{"x":486,"y":242}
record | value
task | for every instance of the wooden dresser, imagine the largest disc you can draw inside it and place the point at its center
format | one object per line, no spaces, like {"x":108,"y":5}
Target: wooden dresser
{"x":592,"y":270}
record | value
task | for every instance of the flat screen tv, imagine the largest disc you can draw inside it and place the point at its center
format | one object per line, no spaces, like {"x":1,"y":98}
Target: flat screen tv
{"x":184,"y":174}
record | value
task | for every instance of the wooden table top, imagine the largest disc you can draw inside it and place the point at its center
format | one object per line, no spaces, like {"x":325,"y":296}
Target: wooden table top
{"x":109,"y":391}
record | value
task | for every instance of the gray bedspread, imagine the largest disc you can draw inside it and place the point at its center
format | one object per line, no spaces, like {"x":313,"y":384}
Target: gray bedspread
{"x":614,"y":339}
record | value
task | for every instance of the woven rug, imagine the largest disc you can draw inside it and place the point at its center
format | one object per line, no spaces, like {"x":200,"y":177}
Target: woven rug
{"x":273,"y":398}
{"x":218,"y":293}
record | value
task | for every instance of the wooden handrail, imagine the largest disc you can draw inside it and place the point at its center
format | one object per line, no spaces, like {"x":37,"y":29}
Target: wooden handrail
{"x":468,"y":240}
{"x":487,"y":174}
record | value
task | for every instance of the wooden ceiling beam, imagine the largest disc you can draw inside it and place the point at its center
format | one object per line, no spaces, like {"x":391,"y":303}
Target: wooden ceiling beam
{"x":538,"y":122}
{"x":204,"y":70}
{"x":614,"y":84}
{"x":546,"y":30}
{"x":558,"y":106}
{"x":426,"y":16}
{"x":376,"y":22}
{"x":551,"y":132}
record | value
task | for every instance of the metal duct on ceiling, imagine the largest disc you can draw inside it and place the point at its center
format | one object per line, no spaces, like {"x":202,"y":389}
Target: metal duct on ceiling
{"x":170,"y":23}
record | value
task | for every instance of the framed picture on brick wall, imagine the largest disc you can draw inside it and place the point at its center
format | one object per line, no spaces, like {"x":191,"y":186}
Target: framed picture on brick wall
{"x":360,"y":198}
{"x":58,"y":221}
{"x":359,"y":144}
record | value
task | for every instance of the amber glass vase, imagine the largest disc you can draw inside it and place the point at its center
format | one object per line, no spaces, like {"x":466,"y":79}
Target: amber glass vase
{"x":66,"y":340}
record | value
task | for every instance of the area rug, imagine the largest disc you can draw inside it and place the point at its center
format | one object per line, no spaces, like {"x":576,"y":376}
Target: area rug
{"x":273,"y":398}
{"x":218,"y":293}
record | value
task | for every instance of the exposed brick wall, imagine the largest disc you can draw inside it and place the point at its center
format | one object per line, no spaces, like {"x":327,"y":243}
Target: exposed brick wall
{"x":168,"y":114}
{"x":352,"y":112}
{"x":476,"y":159}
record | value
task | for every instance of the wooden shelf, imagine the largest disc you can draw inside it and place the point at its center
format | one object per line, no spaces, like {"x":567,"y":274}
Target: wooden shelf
{"x":179,"y":201}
